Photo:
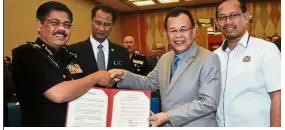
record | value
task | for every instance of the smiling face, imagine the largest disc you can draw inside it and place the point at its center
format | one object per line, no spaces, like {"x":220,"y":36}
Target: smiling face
{"x":180,"y":33}
{"x":231,"y":20}
{"x":55,"y":29}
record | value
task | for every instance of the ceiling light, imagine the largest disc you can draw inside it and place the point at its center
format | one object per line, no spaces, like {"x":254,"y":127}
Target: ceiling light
{"x":143,"y":3}
{"x":167,"y":1}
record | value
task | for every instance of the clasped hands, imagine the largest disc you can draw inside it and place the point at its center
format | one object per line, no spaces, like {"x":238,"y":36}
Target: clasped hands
{"x":108,"y":78}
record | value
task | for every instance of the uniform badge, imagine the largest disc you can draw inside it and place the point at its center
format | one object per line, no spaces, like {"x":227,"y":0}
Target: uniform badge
{"x":74,"y":69}
{"x":246,"y":59}
{"x":138,"y":62}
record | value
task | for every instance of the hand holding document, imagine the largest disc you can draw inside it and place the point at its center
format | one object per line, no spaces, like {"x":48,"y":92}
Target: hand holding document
{"x":158,"y":119}
{"x":101,"y":107}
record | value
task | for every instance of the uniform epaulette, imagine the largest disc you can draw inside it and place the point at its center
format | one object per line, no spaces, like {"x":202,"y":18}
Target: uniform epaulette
{"x":33,"y":44}
{"x":138,"y":54}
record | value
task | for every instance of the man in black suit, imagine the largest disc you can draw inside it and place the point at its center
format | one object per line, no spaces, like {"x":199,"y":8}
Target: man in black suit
{"x":115,"y":56}
{"x":152,"y":60}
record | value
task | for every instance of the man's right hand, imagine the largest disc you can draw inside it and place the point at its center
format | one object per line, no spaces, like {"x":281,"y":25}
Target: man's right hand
{"x":103,"y":78}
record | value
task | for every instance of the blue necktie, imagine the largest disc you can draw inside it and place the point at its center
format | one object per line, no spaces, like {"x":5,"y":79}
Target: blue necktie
{"x":174,"y":66}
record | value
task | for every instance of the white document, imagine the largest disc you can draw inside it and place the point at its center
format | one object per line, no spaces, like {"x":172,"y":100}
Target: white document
{"x":89,"y":110}
{"x":130,"y":109}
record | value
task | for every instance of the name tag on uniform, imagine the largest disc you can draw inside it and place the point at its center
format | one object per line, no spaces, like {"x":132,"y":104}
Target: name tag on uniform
{"x":74,"y":69}
{"x":138,"y":62}
{"x":118,"y":62}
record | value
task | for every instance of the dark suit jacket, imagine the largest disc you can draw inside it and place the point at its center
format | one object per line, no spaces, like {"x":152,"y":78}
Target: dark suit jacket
{"x":151,"y":63}
{"x":118,"y":57}
{"x":278,"y":44}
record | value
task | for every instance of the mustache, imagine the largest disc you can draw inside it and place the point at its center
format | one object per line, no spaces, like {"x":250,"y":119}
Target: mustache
{"x":229,"y":25}
{"x":61,"y":33}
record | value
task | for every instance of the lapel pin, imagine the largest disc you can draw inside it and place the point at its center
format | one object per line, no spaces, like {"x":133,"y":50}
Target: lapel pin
{"x":246,"y":59}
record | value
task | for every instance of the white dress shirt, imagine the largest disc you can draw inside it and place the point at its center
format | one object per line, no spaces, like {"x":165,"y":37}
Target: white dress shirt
{"x":105,"y":49}
{"x":249,"y":72}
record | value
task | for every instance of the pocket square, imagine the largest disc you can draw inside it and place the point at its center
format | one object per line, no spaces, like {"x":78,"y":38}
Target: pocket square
{"x":118,"y":62}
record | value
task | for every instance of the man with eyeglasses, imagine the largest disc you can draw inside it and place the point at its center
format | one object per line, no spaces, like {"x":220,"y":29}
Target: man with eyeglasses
{"x":46,"y":74}
{"x":98,"y":52}
{"x":189,"y":77}
{"x":251,"y":89}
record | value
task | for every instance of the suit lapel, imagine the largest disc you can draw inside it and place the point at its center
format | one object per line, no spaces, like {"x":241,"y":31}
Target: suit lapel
{"x":112,"y":52}
{"x":185,"y":62}
{"x":89,"y":55}
{"x":167,"y":69}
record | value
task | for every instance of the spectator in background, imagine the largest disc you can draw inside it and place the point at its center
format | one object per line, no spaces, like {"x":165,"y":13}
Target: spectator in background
{"x":138,"y":52}
{"x":7,"y":63}
{"x":138,"y":62}
{"x":268,"y":39}
{"x":159,"y":51}
{"x":278,"y":44}
{"x":8,"y":92}
{"x":151,"y":53}
{"x":275,"y":37}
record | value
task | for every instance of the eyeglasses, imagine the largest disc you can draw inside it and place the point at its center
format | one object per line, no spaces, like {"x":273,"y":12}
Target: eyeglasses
{"x":231,"y":17}
{"x":175,"y":31}
{"x":57,"y":23}
{"x":99,"y":23}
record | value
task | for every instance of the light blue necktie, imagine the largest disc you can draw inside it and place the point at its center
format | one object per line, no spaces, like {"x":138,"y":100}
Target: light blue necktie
{"x":174,"y":66}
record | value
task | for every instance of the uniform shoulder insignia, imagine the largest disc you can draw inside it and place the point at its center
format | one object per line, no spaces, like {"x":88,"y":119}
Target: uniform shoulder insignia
{"x":33,"y":44}
{"x":139,"y":55}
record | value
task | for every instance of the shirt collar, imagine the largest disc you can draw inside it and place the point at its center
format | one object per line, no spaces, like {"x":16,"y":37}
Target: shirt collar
{"x":181,"y":55}
{"x":95,"y":43}
{"x":243,"y":41}
{"x":46,"y":47}
{"x":191,"y":51}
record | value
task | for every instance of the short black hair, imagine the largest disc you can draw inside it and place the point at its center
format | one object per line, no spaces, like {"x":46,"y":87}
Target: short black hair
{"x":241,"y":2}
{"x":276,"y":36}
{"x":44,"y":10}
{"x":269,"y":37}
{"x":106,"y":9}
{"x":176,"y":12}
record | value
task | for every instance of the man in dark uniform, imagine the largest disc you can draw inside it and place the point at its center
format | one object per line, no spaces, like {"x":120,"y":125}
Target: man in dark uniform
{"x":46,"y":74}
{"x":138,"y":62}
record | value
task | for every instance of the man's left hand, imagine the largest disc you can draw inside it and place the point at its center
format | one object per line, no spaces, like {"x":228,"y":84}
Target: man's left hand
{"x":158,"y":119}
